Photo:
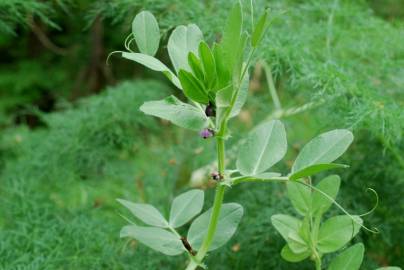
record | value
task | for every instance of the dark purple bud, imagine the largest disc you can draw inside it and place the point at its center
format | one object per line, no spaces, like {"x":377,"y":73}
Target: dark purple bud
{"x":210,"y":110}
{"x":207,"y":133}
{"x":216,"y":176}
{"x":187,"y":246}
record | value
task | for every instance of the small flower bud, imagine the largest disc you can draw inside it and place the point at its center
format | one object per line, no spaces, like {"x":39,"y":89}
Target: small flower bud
{"x":207,"y":133}
{"x":216,"y":176}
{"x":210,"y":110}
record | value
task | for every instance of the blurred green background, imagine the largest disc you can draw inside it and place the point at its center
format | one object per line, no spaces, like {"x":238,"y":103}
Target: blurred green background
{"x":72,"y":139}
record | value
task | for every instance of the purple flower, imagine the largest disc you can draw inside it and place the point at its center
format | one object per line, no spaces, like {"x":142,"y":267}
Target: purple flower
{"x":207,"y":133}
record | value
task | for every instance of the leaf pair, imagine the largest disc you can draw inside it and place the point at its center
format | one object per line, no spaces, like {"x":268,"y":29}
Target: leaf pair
{"x":183,"y":209}
{"x":146,"y":33}
{"x":182,"y":41}
{"x":333,"y":234}
{"x":162,"y":236}
{"x":310,"y":236}
{"x":266,"y":145}
{"x":308,"y":201}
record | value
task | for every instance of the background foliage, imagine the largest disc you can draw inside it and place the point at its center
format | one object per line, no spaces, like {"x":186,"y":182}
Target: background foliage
{"x":72,"y":139}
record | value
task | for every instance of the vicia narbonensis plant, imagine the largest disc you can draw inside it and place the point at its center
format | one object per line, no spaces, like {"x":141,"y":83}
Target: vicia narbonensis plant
{"x":215,"y":80}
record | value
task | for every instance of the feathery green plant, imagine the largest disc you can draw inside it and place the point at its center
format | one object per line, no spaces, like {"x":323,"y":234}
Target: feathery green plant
{"x":16,"y":12}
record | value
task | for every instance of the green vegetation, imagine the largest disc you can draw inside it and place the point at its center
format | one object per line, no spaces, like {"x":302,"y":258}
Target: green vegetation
{"x":72,"y":138}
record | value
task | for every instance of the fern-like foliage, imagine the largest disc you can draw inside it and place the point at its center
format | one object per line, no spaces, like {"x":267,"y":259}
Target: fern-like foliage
{"x":14,"y":13}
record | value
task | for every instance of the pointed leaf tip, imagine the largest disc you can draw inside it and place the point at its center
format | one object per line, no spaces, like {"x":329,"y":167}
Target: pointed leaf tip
{"x":259,"y":29}
{"x":146,"y":213}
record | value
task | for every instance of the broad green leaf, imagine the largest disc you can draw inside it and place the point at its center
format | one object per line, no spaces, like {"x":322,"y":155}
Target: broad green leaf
{"x":185,"y":207}
{"x":330,"y":186}
{"x":229,"y":218}
{"x":177,"y":112}
{"x":349,"y":259}
{"x":182,"y":41}
{"x":232,"y":35}
{"x":336,"y":232}
{"x":146,"y":31}
{"x":264,"y":147}
{"x":300,"y":196}
{"x":314,"y":169}
{"x":259,"y":29}
{"x":288,"y":255}
{"x":146,"y":213}
{"x":389,"y":268}
{"x":209,"y":64}
{"x":285,"y":225}
{"x":156,"y":238}
{"x":154,"y":64}
{"x":325,"y":148}
{"x":193,"y":88}
{"x":222,"y":70}
{"x":196,"y":66}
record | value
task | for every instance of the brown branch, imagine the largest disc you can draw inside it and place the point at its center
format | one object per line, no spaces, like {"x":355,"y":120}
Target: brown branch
{"x":45,"y":41}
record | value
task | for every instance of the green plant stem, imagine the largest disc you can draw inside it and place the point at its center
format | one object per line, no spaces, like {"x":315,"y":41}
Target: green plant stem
{"x":217,"y":205}
{"x":315,"y":226}
{"x":219,"y":195}
{"x":318,"y":263}
{"x":248,"y":179}
{"x":192,"y":265}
